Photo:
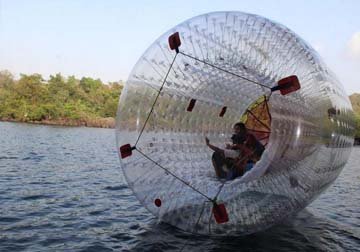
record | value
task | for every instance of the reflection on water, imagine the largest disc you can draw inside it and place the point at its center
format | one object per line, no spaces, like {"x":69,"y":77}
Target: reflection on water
{"x":62,"y":189}
{"x":305,"y":232}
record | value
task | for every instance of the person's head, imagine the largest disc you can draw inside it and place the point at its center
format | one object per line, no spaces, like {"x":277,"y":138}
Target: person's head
{"x":239,"y":133}
{"x":239,"y":128}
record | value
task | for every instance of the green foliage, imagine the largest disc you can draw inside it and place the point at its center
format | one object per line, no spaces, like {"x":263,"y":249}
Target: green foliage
{"x":355,"y":102}
{"x":31,"y":98}
{"x":357,"y":125}
{"x":89,"y":84}
{"x":6,"y":79}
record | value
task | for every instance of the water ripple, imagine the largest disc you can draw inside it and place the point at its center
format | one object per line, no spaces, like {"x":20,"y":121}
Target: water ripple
{"x":61,"y":194}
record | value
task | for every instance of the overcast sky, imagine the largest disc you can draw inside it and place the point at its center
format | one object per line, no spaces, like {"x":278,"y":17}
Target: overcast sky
{"x":104,"y":39}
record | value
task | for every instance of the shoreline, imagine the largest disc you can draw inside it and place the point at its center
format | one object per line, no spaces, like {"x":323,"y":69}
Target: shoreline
{"x":107,"y":123}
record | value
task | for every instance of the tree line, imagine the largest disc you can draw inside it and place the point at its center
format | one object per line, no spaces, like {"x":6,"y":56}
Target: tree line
{"x":31,"y":98}
{"x":355,"y":102}
{"x":71,"y":101}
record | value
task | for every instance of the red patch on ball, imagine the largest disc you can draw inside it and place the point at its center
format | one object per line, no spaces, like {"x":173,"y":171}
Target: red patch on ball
{"x":158,"y":202}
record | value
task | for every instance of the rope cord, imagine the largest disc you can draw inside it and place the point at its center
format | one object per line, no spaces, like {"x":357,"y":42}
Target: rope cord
{"x":169,"y":172}
{"x":143,"y":128}
{"x":224,"y":70}
{"x":152,"y":109}
{"x":196,"y":224}
{"x":257,"y":119}
{"x":172,"y":174}
{"x":157,"y":97}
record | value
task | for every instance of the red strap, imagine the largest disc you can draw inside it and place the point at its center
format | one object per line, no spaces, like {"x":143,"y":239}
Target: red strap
{"x":126,"y":150}
{"x":223,"y":111}
{"x":174,"y":41}
{"x":220,"y":213}
{"x":191,"y":105}
{"x":289,"y":84}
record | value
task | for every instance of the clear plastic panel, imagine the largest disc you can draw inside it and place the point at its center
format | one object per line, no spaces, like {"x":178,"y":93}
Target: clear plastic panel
{"x":307,"y":147}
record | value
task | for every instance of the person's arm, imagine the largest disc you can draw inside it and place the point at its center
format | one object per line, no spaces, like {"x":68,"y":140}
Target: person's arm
{"x":213,"y":147}
{"x":245,"y":150}
{"x":229,"y":146}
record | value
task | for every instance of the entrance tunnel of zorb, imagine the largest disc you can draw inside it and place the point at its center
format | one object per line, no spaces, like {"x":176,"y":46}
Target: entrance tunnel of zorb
{"x":199,"y":79}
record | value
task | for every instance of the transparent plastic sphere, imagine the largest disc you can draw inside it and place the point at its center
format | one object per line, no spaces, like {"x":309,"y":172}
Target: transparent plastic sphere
{"x":171,"y":172}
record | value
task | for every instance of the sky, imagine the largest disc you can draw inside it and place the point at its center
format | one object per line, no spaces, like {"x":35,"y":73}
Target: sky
{"x":104,"y":39}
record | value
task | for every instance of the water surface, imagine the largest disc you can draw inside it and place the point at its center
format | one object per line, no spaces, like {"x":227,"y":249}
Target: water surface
{"x":62,"y":189}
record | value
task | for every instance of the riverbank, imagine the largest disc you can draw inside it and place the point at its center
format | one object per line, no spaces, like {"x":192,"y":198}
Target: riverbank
{"x":108,"y":122}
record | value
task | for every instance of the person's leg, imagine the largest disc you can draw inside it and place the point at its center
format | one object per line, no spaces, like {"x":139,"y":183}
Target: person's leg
{"x":229,"y":162}
{"x":239,"y":167}
{"x":218,"y":161}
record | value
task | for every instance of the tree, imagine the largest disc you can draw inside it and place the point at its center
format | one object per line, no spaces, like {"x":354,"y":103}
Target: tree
{"x":6,"y":79}
{"x":89,"y":84}
{"x":31,"y":98}
{"x":357,"y":125}
{"x":30,"y":88}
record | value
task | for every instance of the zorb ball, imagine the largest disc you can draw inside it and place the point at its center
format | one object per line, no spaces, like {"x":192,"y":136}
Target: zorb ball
{"x":200,"y":78}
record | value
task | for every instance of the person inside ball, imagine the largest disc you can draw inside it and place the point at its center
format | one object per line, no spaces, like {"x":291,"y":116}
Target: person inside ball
{"x":237,"y":157}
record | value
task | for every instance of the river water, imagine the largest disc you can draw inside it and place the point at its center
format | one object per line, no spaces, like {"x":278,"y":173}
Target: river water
{"x":62,"y":189}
